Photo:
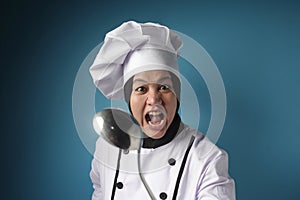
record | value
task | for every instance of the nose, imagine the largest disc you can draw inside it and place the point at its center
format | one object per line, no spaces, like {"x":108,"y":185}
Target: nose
{"x":153,"y":97}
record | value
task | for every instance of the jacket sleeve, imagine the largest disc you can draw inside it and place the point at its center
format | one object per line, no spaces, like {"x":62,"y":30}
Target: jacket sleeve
{"x":95,"y":178}
{"x":216,"y":182}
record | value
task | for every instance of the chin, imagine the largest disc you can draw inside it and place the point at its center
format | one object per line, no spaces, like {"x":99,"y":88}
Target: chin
{"x":155,"y":135}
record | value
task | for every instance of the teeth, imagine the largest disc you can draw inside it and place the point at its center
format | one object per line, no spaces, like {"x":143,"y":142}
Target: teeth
{"x":156,"y":124}
{"x":155,"y":113}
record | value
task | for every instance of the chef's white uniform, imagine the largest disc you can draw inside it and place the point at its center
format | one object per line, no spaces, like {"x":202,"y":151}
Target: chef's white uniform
{"x":204,"y":176}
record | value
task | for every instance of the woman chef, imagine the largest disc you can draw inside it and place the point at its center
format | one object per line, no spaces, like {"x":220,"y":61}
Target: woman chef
{"x":138,"y":62}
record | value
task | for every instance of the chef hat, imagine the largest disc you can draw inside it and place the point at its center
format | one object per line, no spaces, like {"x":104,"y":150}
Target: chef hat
{"x":130,"y":49}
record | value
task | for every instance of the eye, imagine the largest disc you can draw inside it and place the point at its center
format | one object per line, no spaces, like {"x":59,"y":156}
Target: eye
{"x":141,"y":89}
{"x":164,"y":87}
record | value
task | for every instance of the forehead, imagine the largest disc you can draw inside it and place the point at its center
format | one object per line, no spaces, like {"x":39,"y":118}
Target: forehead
{"x":153,"y":76}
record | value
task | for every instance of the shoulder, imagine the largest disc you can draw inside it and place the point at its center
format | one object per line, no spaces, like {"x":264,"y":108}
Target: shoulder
{"x":202,"y":146}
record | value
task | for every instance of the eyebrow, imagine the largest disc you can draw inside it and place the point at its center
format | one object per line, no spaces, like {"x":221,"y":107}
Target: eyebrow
{"x":158,"y":81}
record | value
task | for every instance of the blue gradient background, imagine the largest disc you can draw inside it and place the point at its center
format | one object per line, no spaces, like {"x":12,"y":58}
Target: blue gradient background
{"x":255,"y":45}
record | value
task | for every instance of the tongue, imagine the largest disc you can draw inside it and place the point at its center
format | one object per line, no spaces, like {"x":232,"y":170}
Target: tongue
{"x":155,"y":119}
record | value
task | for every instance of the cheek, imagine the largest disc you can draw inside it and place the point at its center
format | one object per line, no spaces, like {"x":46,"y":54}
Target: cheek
{"x":172,"y":106}
{"x":136,"y":106}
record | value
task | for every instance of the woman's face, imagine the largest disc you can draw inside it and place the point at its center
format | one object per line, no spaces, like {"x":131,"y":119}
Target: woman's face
{"x":153,"y":102}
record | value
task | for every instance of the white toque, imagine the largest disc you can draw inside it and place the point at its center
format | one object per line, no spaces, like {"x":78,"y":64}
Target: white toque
{"x":130,"y":49}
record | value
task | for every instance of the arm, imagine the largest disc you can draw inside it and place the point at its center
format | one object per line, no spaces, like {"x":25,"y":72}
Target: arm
{"x":95,"y":178}
{"x":215,"y":182}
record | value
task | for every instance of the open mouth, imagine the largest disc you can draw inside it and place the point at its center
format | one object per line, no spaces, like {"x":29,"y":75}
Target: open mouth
{"x":155,"y":119}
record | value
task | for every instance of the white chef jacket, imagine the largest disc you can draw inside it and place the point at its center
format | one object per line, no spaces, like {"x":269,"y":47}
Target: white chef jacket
{"x":204,"y":176}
